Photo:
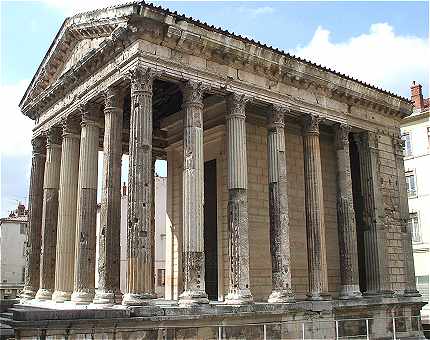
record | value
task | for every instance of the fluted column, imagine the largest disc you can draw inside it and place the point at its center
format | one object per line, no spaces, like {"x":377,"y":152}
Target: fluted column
{"x":66,"y":229}
{"x":108,"y":291}
{"x":237,"y":178}
{"x":50,"y":214}
{"x":348,"y":254}
{"x":139,"y":245}
{"x":35,"y":208}
{"x":410,"y":287}
{"x":278,"y":207}
{"x":373,"y":215}
{"x":315,"y":228}
{"x":85,"y":239}
{"x":193,"y":186}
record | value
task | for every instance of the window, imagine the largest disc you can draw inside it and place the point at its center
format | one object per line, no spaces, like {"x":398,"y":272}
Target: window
{"x":411,"y":183}
{"x":407,"y":150}
{"x":423,"y":286}
{"x":428,"y":136}
{"x":161,"y":277}
{"x":22,"y":228}
{"x":414,"y":227}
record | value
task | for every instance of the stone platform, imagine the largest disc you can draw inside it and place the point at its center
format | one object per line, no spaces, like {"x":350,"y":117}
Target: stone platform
{"x":166,"y":320}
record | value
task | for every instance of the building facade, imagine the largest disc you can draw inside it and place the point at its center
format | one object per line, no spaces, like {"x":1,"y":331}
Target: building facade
{"x":12,"y":252}
{"x":416,"y":134}
{"x":286,"y":191}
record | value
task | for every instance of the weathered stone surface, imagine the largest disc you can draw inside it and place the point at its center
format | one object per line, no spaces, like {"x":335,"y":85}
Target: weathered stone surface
{"x":50,"y":214}
{"x":108,"y":291}
{"x":193,"y":186}
{"x":346,"y":217}
{"x":85,"y":247}
{"x":315,"y":228}
{"x":66,"y":228}
{"x":139,"y":244}
{"x":237,"y":209}
{"x":35,"y":208}
{"x":278,"y":208}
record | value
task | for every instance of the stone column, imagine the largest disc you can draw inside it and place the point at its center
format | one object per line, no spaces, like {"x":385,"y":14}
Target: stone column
{"x":85,"y":239}
{"x":315,"y":228}
{"x":108,"y":291}
{"x":139,"y":245}
{"x":348,"y":254}
{"x":373,"y":215}
{"x":50,"y":214}
{"x":237,"y":178}
{"x":35,"y":208}
{"x":66,"y":230}
{"x":410,"y":287}
{"x":278,"y":208}
{"x":193,"y":186}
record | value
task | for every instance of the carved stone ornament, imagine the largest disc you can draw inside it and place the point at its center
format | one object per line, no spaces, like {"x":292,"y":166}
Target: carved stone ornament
{"x":193,"y":93}
{"x":142,"y":79}
{"x":236,"y":104}
{"x":39,"y":145}
{"x":342,"y":135}
{"x":53,"y":136}
{"x":312,"y":124}
{"x":90,"y":112}
{"x":70,"y":125}
{"x":276,"y":116}
{"x":112,"y":97}
{"x":399,"y":145}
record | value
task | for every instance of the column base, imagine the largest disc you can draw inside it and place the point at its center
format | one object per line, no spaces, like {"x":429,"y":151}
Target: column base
{"x":349,"y":292}
{"x":27,"y":294}
{"x":411,"y":293}
{"x":239,"y":297}
{"x":281,"y":296}
{"x":43,"y":294}
{"x":107,"y":298}
{"x":60,"y":296}
{"x":385,"y":293}
{"x":318,"y":297}
{"x":82,"y":298}
{"x":192,"y":297}
{"x":133,"y":299}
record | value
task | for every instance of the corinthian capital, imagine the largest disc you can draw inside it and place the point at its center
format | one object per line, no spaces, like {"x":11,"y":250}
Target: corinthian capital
{"x":276,"y":116}
{"x":312,"y":124}
{"x":193,"y":93}
{"x":236,"y":104}
{"x":112,"y":98}
{"x":142,"y":79}
{"x":342,"y":135}
{"x":53,"y":136}
{"x":39,"y":145}
{"x":90,"y":112}
{"x":70,"y":125}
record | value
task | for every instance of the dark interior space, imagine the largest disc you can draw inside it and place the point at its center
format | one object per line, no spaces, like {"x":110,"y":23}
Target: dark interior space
{"x":210,"y":227}
{"x":358,"y":208}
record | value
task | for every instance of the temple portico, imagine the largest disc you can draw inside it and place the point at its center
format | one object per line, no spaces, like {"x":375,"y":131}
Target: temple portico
{"x":279,"y":188}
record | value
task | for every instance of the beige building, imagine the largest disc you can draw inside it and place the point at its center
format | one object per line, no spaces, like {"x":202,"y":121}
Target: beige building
{"x":416,"y":134}
{"x":286,"y":194}
{"x":12,"y":252}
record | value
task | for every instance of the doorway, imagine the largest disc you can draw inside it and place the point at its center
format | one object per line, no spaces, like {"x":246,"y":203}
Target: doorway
{"x":210,"y":230}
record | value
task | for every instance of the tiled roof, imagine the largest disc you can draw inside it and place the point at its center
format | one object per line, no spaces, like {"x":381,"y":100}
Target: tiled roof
{"x":244,"y":39}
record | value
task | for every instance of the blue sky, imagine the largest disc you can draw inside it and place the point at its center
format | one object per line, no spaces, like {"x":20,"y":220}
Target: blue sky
{"x":384,"y":43}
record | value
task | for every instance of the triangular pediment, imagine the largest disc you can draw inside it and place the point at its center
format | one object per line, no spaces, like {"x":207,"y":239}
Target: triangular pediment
{"x":76,"y":38}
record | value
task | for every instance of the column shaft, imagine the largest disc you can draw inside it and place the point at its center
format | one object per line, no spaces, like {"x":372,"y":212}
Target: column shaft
{"x":50,"y":214}
{"x":66,"y":229}
{"x":410,"y":287}
{"x":85,"y":239}
{"x":349,"y":285}
{"x":193,"y":186}
{"x":373,"y":215}
{"x":139,"y":244}
{"x":108,"y":291}
{"x":35,"y":208}
{"x":239,"y":292}
{"x":315,"y":228}
{"x":278,"y":208}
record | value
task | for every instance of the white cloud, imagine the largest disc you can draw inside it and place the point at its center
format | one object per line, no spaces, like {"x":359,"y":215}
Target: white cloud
{"x":254,"y":12}
{"x":15,"y":128}
{"x":380,"y":57}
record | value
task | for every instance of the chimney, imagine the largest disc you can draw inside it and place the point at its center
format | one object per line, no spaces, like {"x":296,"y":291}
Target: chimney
{"x":124,"y":189}
{"x":417,"y":95}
